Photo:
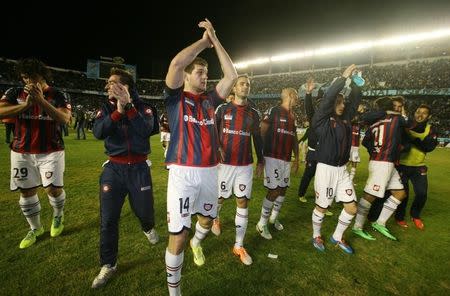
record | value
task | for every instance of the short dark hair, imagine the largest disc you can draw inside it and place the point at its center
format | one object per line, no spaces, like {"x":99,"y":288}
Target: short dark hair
{"x":125,"y":77}
{"x":33,"y":68}
{"x":399,"y":99}
{"x":425,"y":106}
{"x":197,"y":61}
{"x":384,"y":103}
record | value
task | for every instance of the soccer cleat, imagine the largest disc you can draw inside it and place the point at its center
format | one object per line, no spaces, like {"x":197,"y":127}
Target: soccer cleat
{"x":243,"y":255}
{"x":199,"y":258}
{"x":402,"y":223}
{"x":302,"y":199}
{"x":216,"y":229}
{"x":106,"y":272}
{"x":152,"y":236}
{"x":342,"y":244}
{"x":318,"y":243}
{"x":30,"y":238}
{"x":419,"y":223}
{"x":276,"y":223}
{"x":328,"y":213}
{"x":383,"y":230}
{"x":362,"y":233}
{"x":57,"y":226}
{"x":263,"y":231}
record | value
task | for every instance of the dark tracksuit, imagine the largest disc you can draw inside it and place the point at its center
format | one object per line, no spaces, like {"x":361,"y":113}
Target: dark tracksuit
{"x":127,"y":145}
{"x":311,"y":162}
{"x":417,"y":175}
{"x":334,"y":132}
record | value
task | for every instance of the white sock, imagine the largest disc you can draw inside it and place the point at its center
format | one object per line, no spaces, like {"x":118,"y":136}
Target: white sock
{"x":317,"y":219}
{"x":276,"y":207}
{"x":200,"y":234}
{"x":343,"y":222}
{"x":352,"y":173}
{"x":361,"y":215}
{"x":241,"y":222}
{"x":219,"y":207}
{"x":265,"y":211}
{"x":58,"y":204}
{"x":165,"y":153}
{"x":174,"y":263}
{"x":31,"y":209}
{"x":389,"y":207}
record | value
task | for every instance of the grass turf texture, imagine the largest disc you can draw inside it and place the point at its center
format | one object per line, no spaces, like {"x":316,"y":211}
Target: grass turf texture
{"x":416,"y":265}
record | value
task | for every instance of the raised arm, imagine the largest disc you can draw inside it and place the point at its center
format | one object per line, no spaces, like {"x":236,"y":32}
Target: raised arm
{"x":309,"y":109}
{"x":174,"y":77}
{"x":229,"y":72}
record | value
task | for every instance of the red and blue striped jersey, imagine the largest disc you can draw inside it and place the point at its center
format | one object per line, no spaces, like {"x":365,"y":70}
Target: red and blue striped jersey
{"x":35,"y":131}
{"x":383,"y":138}
{"x":193,"y":133}
{"x":281,"y":135}
{"x":237,"y":125}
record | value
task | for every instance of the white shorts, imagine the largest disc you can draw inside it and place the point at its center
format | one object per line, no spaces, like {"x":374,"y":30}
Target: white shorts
{"x":33,"y":170}
{"x":235,"y":179}
{"x":277,"y":173}
{"x":331,"y":183}
{"x":190,"y":190}
{"x":354,"y":154}
{"x":382,"y":176}
{"x":165,"y":137}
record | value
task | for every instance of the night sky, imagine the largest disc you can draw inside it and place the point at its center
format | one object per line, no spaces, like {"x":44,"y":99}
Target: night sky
{"x":150,"y":36}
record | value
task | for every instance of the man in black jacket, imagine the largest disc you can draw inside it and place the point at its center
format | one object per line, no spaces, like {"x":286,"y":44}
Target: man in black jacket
{"x":125,"y":123}
{"x":332,"y":125}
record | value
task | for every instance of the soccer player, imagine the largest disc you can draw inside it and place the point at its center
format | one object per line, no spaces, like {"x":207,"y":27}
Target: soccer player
{"x":412,"y":165}
{"x":356,"y":136}
{"x":125,"y":123}
{"x":193,"y":151}
{"x":332,"y":124}
{"x":237,"y":124}
{"x":311,"y":162}
{"x":384,"y":141}
{"x":165,"y":132}
{"x":279,"y":133}
{"x":377,"y":205}
{"x":37,"y":151}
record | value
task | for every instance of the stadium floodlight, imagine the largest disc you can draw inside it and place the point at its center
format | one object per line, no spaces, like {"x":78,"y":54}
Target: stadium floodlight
{"x":252,"y":62}
{"x":396,"y":40}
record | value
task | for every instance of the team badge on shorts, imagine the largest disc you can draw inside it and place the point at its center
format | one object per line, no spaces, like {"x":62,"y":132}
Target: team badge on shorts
{"x":48,"y":175}
{"x":286,"y":180}
{"x":376,"y":188}
{"x":148,"y":111}
{"x":207,"y":206}
{"x":349,"y":192}
{"x":242,"y":187}
{"x":268,"y":179}
{"x":317,"y":194}
{"x":106,"y":188}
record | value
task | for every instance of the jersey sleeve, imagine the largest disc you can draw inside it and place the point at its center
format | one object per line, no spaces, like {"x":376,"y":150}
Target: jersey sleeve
{"x":11,"y":95}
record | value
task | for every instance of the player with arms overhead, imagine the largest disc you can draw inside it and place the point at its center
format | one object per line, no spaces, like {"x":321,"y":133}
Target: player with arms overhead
{"x":193,"y":151}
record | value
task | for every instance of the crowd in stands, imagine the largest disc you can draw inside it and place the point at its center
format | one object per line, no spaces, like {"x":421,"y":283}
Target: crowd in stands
{"x":414,"y":75}
{"x":432,"y":74}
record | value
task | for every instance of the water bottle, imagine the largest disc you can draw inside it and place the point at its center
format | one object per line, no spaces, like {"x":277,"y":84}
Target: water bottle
{"x":357,"y":78}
